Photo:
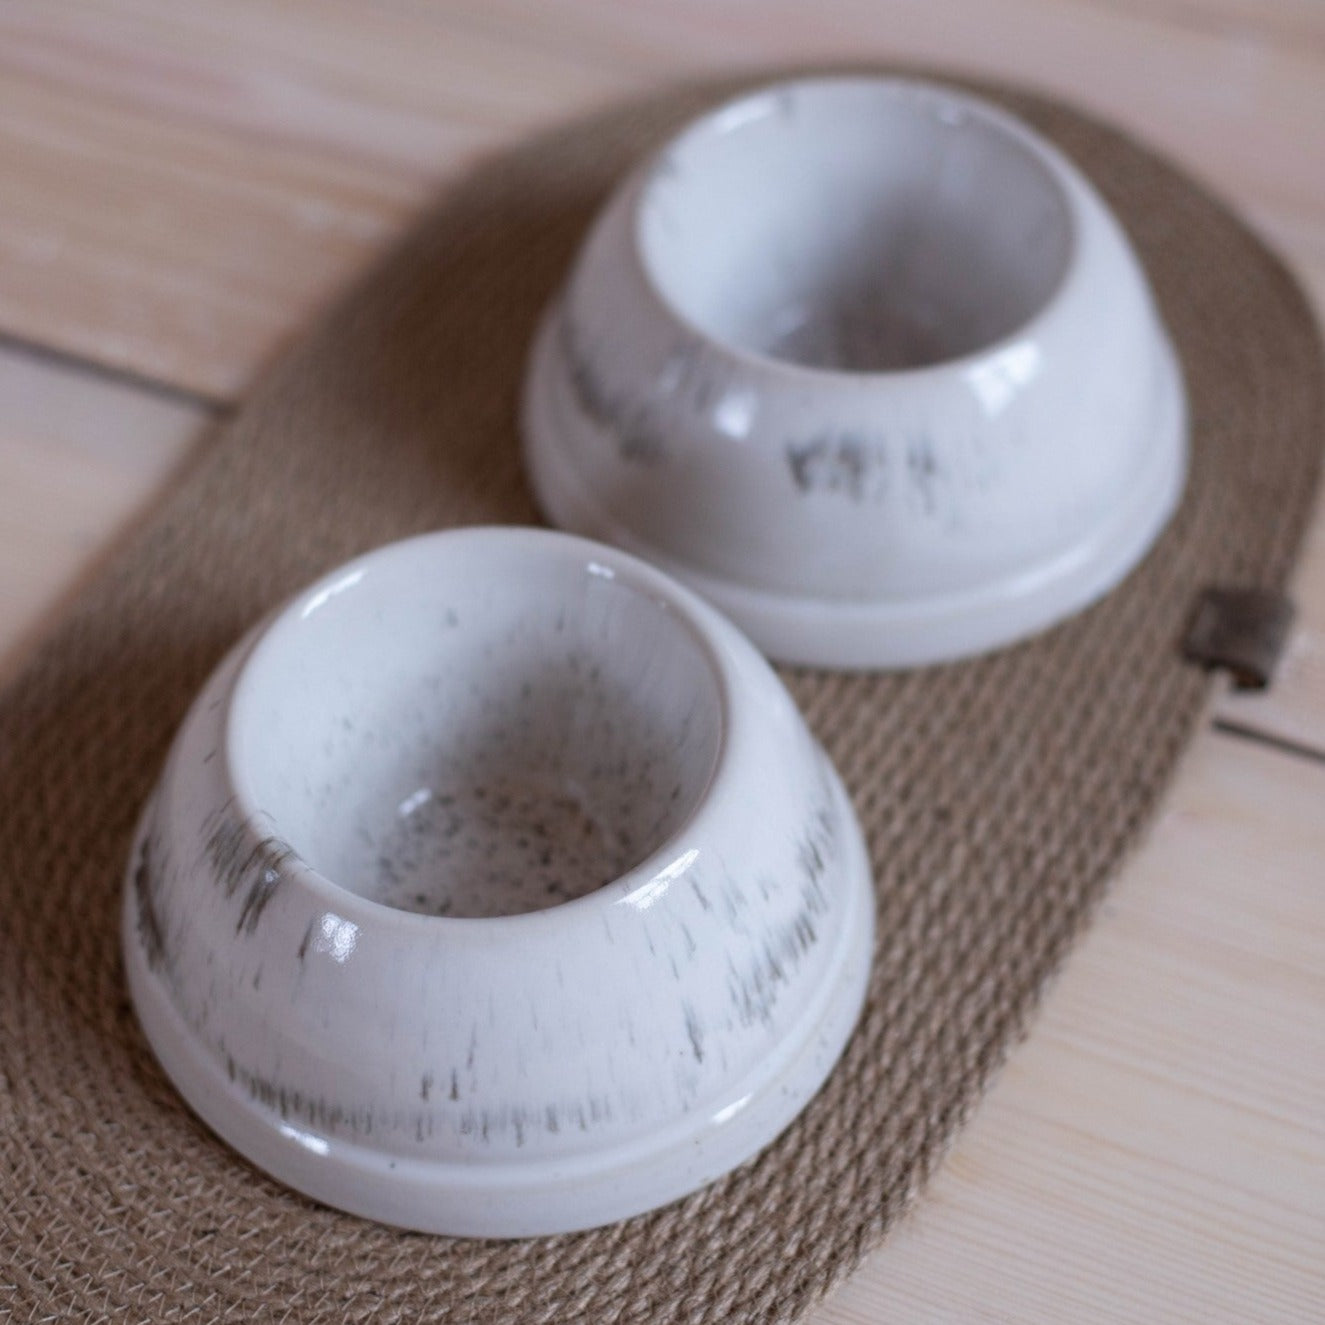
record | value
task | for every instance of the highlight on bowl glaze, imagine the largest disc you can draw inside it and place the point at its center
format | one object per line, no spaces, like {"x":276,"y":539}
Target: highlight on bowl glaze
{"x":495,"y":886}
{"x":870,"y":364}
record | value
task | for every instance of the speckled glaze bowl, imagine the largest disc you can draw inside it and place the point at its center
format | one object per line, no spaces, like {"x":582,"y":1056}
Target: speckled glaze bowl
{"x":871,"y":365}
{"x":495,"y":886}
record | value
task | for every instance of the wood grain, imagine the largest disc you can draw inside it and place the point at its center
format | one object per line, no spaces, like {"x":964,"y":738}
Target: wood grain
{"x":187,"y":184}
{"x":79,"y":458}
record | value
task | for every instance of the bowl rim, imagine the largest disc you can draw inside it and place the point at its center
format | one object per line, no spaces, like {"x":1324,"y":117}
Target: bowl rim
{"x":736,"y":111}
{"x":668,"y":861}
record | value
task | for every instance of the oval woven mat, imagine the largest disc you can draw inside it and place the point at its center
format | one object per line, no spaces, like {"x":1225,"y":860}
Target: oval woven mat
{"x":998,"y":795}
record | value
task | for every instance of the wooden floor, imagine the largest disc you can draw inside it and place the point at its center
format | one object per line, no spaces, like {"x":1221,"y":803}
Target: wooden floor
{"x":185,"y":184}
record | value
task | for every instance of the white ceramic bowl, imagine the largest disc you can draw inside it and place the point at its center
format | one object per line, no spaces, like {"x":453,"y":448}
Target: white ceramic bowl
{"x":495,"y":886}
{"x":871,"y":365}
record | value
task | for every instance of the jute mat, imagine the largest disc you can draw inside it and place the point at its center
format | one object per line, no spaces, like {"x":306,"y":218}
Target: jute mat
{"x":998,"y":795}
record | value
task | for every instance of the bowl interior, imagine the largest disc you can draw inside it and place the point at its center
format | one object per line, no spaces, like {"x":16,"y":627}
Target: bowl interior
{"x":855,"y":225}
{"x":476,"y":729}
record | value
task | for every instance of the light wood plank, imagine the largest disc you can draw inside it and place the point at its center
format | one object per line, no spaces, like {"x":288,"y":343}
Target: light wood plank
{"x":1247,"y":119}
{"x":79,"y":459}
{"x":182,"y":190}
{"x":1296,"y":23}
{"x":184,"y":185}
{"x":1156,"y":1150}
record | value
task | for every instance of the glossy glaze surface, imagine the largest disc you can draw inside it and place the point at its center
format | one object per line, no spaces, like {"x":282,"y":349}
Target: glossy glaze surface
{"x":872,"y":366}
{"x":497,"y":887}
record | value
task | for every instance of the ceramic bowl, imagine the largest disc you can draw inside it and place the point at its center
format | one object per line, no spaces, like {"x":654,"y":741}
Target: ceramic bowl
{"x":495,"y":886}
{"x":870,"y":364}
